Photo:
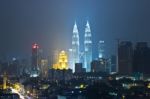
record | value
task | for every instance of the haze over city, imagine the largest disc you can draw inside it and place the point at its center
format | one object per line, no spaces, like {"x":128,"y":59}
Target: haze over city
{"x":50,"y":23}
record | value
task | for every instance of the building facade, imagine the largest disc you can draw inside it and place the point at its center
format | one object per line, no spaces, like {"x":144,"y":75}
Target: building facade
{"x":125,"y":56}
{"x":79,"y":68}
{"x":101,"y":50}
{"x":70,"y":59}
{"x":113,"y":64}
{"x":99,"y":65}
{"x":62,"y":61}
{"x":141,"y":58}
{"x":35,"y":61}
{"x":75,"y":46}
{"x":87,"y":48}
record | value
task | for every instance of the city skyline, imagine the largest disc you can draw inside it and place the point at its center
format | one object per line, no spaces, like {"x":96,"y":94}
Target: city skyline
{"x":28,"y":22}
{"x":74,"y":49}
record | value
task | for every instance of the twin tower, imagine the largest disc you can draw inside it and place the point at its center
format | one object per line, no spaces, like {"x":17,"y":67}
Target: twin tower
{"x":87,"y":53}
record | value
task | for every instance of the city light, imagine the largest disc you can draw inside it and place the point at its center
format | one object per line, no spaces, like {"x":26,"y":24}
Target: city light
{"x":75,"y":49}
{"x":35,"y":46}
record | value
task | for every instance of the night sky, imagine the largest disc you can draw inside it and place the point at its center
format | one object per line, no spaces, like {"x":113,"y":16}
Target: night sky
{"x":50,"y":22}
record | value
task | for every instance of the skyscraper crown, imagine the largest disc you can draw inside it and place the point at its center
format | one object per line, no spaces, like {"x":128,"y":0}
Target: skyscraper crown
{"x":75,"y":28}
{"x":87,"y":29}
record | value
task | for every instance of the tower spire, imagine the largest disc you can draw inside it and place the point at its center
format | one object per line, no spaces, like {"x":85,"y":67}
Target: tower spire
{"x":75,"y":45}
{"x":87,"y":29}
{"x":75,"y":28}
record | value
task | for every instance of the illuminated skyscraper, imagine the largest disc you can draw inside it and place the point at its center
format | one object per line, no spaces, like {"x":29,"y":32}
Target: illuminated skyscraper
{"x":101,"y":49}
{"x":62,"y":61}
{"x":75,"y":46}
{"x":87,"y":48}
{"x":70,"y":59}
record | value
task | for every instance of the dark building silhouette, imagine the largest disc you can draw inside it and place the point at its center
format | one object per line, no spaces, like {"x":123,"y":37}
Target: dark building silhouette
{"x":125,"y":54}
{"x":14,"y":64}
{"x":98,"y":65}
{"x":35,"y":60}
{"x":35,"y":56}
{"x":79,"y":68}
{"x":60,"y":75}
{"x":113,"y":64}
{"x":141,"y":58}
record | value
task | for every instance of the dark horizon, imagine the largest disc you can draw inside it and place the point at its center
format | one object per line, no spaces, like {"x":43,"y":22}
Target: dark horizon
{"x":50,"y":23}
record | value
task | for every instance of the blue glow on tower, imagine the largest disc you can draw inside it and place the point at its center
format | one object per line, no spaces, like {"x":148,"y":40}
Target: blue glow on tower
{"x":70,"y":59}
{"x":101,"y":50}
{"x":87,"y":48}
{"x":75,"y":46}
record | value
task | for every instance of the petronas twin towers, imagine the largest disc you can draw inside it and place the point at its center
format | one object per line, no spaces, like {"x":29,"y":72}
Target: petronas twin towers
{"x":87,"y":53}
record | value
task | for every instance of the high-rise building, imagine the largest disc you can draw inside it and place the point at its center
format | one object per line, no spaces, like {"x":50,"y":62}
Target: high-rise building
{"x":113,"y":64}
{"x":87,"y":48}
{"x":75,"y":46}
{"x":44,"y":68}
{"x":101,"y":49}
{"x":98,"y":65}
{"x":141,"y":58}
{"x":108,"y":65}
{"x":62,"y":62}
{"x":35,"y":60}
{"x":95,"y":66}
{"x":35,"y":55}
{"x":81,"y":57}
{"x":125,"y":54}
{"x":79,"y":68}
{"x":70,"y":59}
{"x":14,"y":64}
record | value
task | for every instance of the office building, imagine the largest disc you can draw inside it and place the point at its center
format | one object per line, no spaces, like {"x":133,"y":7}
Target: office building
{"x":125,"y":55}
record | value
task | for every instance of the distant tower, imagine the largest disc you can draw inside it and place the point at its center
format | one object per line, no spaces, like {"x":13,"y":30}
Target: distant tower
{"x":87,"y":48}
{"x":125,"y":54}
{"x":70,"y":59}
{"x":101,"y":49}
{"x":44,"y":68}
{"x":35,"y":60}
{"x":35,"y":56}
{"x":75,"y":46}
